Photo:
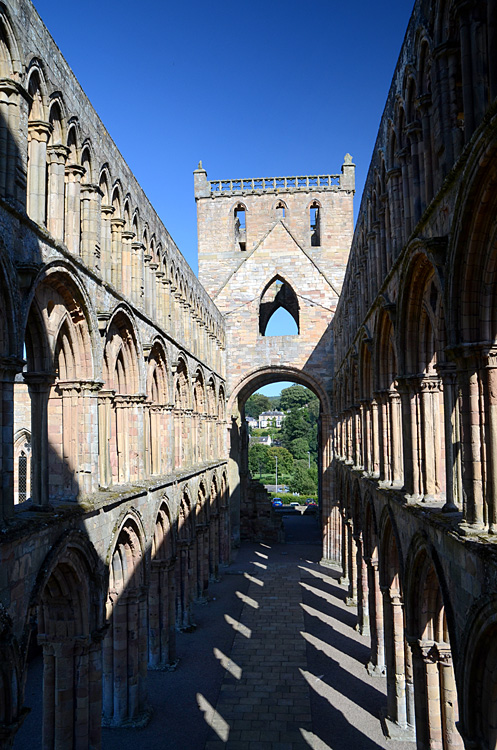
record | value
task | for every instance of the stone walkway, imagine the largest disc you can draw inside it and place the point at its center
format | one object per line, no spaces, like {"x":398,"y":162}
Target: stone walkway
{"x":275,"y":664}
{"x":295,"y":678}
{"x":264,"y":702}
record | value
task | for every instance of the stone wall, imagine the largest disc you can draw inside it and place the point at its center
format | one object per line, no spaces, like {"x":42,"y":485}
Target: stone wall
{"x":114,"y":509}
{"x":414,"y":517}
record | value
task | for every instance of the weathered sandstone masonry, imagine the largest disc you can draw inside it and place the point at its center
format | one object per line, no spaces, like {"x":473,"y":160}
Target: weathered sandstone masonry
{"x":114,"y":494}
{"x":414,"y":519}
{"x":266,"y":244}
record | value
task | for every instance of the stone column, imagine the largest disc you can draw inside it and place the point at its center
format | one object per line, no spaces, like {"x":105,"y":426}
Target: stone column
{"x":137,"y":286}
{"x":468,"y":375}
{"x":345,"y":578}
{"x":57,"y":157}
{"x":91,"y":229}
{"x":394,"y":188}
{"x":105,"y":400}
{"x":72,"y":701}
{"x":106,"y":242}
{"x":159,"y":297}
{"x":72,"y":227}
{"x":396,"y":658}
{"x":424,"y":104}
{"x":351,"y":599}
{"x":9,"y":132}
{"x":39,"y":385}
{"x":375,"y":439}
{"x":117,"y":226}
{"x":408,"y":398}
{"x":396,"y":438}
{"x":491,"y":438}
{"x":376,"y":665}
{"x":125,"y":283}
{"x":167,"y":303}
{"x":414,"y":133}
{"x":9,"y":367}
{"x":384,"y":435}
{"x":38,"y":135}
{"x":362,"y":589}
{"x":147,"y":292}
{"x":152,"y":267}
{"x":429,"y":447}
{"x":405,"y":224}
{"x":452,"y":439}
{"x":449,"y":703}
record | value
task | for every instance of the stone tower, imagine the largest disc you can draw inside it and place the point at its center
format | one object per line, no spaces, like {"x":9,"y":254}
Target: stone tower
{"x":275,"y":242}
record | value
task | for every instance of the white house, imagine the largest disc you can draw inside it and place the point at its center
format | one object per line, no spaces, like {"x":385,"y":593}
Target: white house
{"x":271,"y":419}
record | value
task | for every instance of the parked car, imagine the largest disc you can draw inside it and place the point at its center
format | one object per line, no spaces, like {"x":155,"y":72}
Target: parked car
{"x":310,"y":502}
{"x":294,"y":505}
{"x":277,"y":502}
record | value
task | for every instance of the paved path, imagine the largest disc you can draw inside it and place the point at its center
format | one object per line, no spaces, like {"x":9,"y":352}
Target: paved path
{"x":296,"y":678}
{"x":275,"y":664}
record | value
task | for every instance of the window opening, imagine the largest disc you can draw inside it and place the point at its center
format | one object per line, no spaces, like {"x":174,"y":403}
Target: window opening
{"x":279,"y":304}
{"x":280,"y":210}
{"x":23,"y":477}
{"x":240,"y":228}
{"x":315,"y":225}
{"x":281,"y":323}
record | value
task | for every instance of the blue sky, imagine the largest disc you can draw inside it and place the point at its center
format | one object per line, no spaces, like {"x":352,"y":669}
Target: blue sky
{"x":258,"y":89}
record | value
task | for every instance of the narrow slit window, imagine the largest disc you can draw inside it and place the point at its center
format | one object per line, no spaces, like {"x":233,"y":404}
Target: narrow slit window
{"x":23,"y":477}
{"x":280,"y":210}
{"x":314,"y":218}
{"x":240,"y":228}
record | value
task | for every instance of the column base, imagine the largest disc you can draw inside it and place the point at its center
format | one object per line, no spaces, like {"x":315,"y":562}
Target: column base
{"x":374,"y":670}
{"x":330,"y":564}
{"x":394,"y":731}
{"x":140,"y":721}
{"x":362,"y":629}
{"x":344,"y":581}
{"x":351,"y":601}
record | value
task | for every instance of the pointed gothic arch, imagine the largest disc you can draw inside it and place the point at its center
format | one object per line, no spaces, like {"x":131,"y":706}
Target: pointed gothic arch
{"x":278,"y":293}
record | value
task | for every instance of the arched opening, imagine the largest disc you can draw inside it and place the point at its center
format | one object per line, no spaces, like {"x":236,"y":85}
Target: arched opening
{"x":400,"y":694}
{"x":22,"y":466}
{"x":202,"y":522}
{"x":293,"y":457}
{"x":278,"y":299}
{"x":69,"y":624}
{"x":239,"y":216}
{"x":124,"y":648}
{"x":315,"y":224}
{"x":161,"y":594}
{"x":156,"y":413}
{"x":436,"y":703}
{"x":185,"y":564}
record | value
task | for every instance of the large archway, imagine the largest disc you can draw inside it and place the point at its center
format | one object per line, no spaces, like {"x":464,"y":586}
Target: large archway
{"x":242,"y":503}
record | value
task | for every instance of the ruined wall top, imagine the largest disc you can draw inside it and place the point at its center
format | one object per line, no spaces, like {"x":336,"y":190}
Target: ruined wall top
{"x":260,"y":185}
{"x":442,"y":87}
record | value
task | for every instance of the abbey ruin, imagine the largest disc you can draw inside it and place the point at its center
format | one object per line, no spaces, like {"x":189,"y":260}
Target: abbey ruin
{"x":124,"y":480}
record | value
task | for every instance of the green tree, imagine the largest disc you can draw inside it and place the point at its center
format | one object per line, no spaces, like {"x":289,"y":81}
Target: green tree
{"x":275,"y":402}
{"x":256,"y":404}
{"x":299,"y":447}
{"x":285,"y":459}
{"x":259,"y":459}
{"x":296,"y":396}
{"x":303,"y":482}
{"x":294,"y":426}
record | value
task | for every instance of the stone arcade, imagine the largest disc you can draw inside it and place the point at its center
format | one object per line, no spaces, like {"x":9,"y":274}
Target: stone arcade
{"x":124,"y":380}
